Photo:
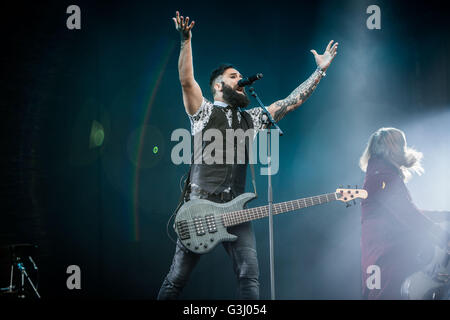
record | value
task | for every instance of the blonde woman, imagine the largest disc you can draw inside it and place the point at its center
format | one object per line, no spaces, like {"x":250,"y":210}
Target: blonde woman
{"x":396,"y":236}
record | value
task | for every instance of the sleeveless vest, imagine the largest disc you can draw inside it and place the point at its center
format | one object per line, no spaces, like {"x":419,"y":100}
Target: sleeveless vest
{"x":216,"y":178}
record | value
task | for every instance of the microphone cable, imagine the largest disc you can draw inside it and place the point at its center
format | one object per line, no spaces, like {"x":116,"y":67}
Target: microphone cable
{"x":176,"y":210}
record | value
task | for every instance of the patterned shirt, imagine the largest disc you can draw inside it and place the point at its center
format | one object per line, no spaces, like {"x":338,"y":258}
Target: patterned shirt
{"x":201,"y":117}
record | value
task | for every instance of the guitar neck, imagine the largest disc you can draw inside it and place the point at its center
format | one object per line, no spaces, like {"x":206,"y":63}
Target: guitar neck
{"x":241,"y":216}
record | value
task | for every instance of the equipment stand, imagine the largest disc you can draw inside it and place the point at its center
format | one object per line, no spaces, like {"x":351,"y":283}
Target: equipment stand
{"x":268,"y":122}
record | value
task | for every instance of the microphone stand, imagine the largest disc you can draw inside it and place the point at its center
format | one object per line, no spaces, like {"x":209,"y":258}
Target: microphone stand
{"x":24,"y":275}
{"x":269,"y":121}
{"x":16,"y":254}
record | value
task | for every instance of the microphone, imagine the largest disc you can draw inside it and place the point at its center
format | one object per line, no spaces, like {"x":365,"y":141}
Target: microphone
{"x":248,"y":81}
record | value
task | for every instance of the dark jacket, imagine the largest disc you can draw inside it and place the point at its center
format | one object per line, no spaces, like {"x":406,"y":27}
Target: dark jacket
{"x":395,"y":235}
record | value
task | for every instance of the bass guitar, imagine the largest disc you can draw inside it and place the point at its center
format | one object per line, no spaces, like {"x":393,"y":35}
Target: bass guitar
{"x":202,"y":224}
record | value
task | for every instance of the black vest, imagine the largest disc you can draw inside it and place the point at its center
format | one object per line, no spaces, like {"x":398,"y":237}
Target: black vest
{"x":215,"y":178}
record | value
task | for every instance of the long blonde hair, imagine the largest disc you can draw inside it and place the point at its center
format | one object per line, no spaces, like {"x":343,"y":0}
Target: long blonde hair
{"x":390,"y":144}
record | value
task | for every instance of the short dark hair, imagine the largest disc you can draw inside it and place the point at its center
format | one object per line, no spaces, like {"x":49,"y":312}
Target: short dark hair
{"x":216,"y":73}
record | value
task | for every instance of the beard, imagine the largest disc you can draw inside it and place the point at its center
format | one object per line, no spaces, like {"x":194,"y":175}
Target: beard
{"x":233,"y":98}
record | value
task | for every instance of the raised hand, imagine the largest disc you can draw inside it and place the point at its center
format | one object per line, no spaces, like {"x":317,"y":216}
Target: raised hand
{"x":182,"y":25}
{"x":324,"y":60}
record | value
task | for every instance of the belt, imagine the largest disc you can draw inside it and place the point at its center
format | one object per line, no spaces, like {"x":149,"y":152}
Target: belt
{"x":197,"y":192}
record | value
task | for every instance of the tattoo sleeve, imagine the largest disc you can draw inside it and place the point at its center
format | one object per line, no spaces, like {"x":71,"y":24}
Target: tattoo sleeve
{"x":298,"y":96}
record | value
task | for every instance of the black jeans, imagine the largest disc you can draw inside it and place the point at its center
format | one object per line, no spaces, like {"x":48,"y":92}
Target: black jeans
{"x":243,"y":255}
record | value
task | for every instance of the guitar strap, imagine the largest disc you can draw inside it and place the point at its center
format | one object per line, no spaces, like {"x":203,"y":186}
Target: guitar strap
{"x":252,"y":168}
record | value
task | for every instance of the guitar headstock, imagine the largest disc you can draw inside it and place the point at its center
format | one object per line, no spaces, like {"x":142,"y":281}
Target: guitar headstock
{"x":346,"y":195}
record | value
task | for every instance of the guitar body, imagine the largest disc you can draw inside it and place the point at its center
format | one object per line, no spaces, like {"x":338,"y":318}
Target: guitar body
{"x":422,"y":285}
{"x":199,"y":224}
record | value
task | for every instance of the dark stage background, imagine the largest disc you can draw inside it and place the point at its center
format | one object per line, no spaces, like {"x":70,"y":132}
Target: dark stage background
{"x":82,"y":110}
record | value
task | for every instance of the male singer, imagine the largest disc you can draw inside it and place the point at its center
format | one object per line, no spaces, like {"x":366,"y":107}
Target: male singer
{"x":222,"y":182}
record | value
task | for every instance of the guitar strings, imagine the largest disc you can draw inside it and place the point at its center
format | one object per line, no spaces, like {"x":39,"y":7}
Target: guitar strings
{"x":277,"y":206}
{"x":219,"y":218}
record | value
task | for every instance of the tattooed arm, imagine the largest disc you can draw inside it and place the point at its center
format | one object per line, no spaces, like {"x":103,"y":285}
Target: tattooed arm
{"x":280,"y":108}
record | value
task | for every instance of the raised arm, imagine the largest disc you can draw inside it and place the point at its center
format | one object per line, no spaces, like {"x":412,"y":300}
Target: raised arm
{"x":280,"y":108}
{"x":192,"y":94}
